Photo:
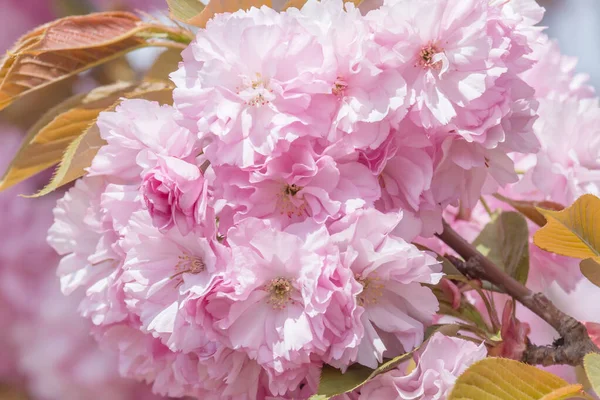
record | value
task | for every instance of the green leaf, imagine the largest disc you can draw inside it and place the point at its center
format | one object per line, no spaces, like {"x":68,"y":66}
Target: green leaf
{"x":504,"y":379}
{"x":591,"y":363}
{"x":334,"y":382}
{"x":185,"y":10}
{"x":505,"y":241}
{"x":81,"y":151}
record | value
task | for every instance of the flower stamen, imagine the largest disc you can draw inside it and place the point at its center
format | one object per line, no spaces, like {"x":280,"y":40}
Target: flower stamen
{"x":426,"y":57}
{"x":188,"y":264}
{"x":288,"y":203}
{"x":339,"y":87}
{"x":372,"y":290}
{"x":255,"y":92}
{"x":280,"y":293}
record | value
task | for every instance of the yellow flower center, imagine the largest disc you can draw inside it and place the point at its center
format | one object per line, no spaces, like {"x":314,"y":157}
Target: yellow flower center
{"x":280,"y":292}
{"x":372,"y":290}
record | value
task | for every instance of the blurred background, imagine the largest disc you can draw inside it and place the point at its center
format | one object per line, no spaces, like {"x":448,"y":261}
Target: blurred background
{"x":575,"y":24}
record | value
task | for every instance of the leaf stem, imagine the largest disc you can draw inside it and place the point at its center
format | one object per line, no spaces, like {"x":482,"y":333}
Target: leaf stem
{"x":576,"y":341}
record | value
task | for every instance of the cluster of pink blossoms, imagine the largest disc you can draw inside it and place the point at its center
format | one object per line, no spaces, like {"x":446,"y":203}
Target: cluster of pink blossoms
{"x":232,"y":244}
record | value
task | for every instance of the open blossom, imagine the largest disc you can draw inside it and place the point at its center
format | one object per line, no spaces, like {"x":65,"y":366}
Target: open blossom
{"x":438,"y":366}
{"x":370,"y":96}
{"x":296,"y":186}
{"x":444,"y":52}
{"x":139,"y":128}
{"x":274,"y":300}
{"x":82,"y":236}
{"x":553,"y":75}
{"x":390,"y":272}
{"x":160,"y":270}
{"x":255,"y":81}
{"x":174,"y":193}
{"x":562,"y":175}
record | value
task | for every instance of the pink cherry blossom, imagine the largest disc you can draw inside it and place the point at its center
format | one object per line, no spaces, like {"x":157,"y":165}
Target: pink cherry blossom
{"x":296,"y":186}
{"x":553,"y":75}
{"x":371,"y":97}
{"x":444,"y":52}
{"x":161,"y":269}
{"x":174,"y":192}
{"x":390,"y":272}
{"x":135,"y":128}
{"x":254,"y":80}
{"x":83,"y":236}
{"x":281,"y":284}
{"x":438,"y":366}
{"x":563,"y":175}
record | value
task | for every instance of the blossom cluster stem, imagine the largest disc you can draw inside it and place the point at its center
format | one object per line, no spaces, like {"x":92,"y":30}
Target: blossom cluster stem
{"x":574,"y":343}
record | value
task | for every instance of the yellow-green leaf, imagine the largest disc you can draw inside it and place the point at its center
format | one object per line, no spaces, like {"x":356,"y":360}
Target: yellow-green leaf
{"x":81,"y":151}
{"x":334,"y":382}
{"x":70,"y":45}
{"x":574,"y":231}
{"x":225,"y":6}
{"x":47,"y":140}
{"x":504,"y":379}
{"x":591,"y":363}
{"x":591,"y":270}
{"x":505,"y":241}
{"x":185,"y":10}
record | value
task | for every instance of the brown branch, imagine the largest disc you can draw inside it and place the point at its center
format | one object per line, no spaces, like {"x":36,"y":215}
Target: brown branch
{"x":575,"y":341}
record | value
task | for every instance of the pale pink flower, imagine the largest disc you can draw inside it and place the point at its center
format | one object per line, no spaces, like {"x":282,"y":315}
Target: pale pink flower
{"x":404,"y":165}
{"x":295,"y":186}
{"x":438,"y":365}
{"x":254,"y":80}
{"x":465,"y":171}
{"x":144,"y":358}
{"x":139,"y":127}
{"x":273,"y":304}
{"x":396,"y":307}
{"x":174,"y":193}
{"x":161,"y":269}
{"x":444,"y":52}
{"x":370,"y":95}
{"x":61,"y":359}
{"x":568,"y":165}
{"x":553,"y":75}
{"x":83,"y":236}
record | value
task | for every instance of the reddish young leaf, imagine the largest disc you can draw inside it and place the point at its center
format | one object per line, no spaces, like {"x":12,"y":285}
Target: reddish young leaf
{"x":65,"y":47}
